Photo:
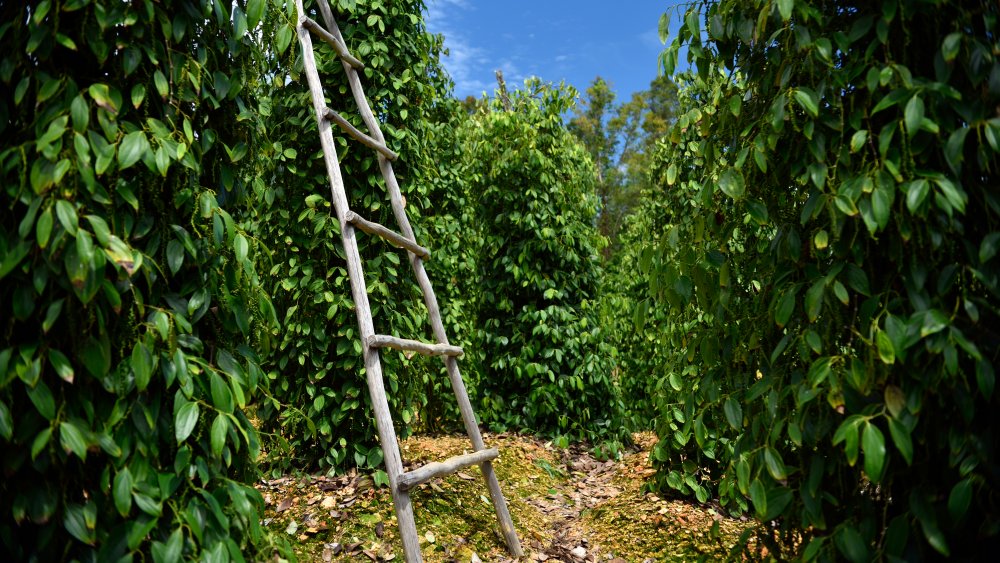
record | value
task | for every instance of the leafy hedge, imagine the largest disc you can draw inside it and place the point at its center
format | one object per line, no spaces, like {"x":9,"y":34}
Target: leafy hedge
{"x":545,"y":367}
{"x":320,"y":411}
{"x":132,"y":311}
{"x":831,"y":256}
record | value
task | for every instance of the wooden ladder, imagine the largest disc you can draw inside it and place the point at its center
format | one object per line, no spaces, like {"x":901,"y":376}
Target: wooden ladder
{"x":399,"y":481}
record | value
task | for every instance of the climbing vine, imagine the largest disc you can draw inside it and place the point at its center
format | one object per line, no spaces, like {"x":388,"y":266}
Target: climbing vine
{"x":828,"y":252}
{"x":133,"y":315}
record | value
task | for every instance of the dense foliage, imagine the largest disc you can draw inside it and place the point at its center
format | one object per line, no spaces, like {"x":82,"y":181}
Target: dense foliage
{"x":546,"y":367}
{"x":320,"y":411}
{"x":132,"y":310}
{"x":829,"y":255}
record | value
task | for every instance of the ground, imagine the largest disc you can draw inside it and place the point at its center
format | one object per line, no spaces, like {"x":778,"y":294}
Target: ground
{"x":566,"y":505}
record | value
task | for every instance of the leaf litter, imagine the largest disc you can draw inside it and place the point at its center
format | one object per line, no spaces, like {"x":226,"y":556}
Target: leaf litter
{"x":567,"y":507}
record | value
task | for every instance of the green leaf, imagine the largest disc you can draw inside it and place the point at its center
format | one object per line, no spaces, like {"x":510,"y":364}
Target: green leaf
{"x":675,"y":381}
{"x":850,"y":543}
{"x":786,"y":305}
{"x":987,"y":249}
{"x":954,"y":149}
{"x":41,"y":440}
{"x":138,"y":95}
{"x":67,"y":216}
{"x":241,"y":247}
{"x":934,"y":321}
{"x":133,"y":146}
{"x":220,"y":427}
{"x":743,"y":475}
{"x":6,"y":422}
{"x":785,"y":9}
{"x":732,"y":184}
{"x":175,"y":255}
{"x":80,"y":113}
{"x":913,"y":115}
{"x":734,"y":413}
{"x":171,"y":551}
{"x":104,"y":97}
{"x":255,"y":9}
{"x":758,"y":496}
{"x":960,"y":499}
{"x":43,"y":228}
{"x":283,"y":38}
{"x":59,"y":360}
{"x":161,"y":84}
{"x":950,"y":46}
{"x":75,"y":520}
{"x":43,"y":400}
{"x":185,"y":421}
{"x":886,"y":353}
{"x":142,"y":365}
{"x":895,"y":400}
{"x":72,"y":440}
{"x":901,"y":438}
{"x":775,"y":465}
{"x":841,"y":292}
{"x":819,"y":371}
{"x":222,"y":397}
{"x":858,"y":140}
{"x":96,"y":357}
{"x":814,"y":299}
{"x":928,"y":522}
{"x":808,"y":99}
{"x":148,"y":504}
{"x":122,"y":491}
{"x":916,"y":193}
{"x":985,"y":378}
{"x":873,"y":446}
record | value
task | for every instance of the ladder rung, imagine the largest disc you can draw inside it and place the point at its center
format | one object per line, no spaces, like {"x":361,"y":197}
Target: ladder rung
{"x":383,"y":341}
{"x":325,"y":35}
{"x":434,"y":469}
{"x":358,"y":135}
{"x":388,"y":234}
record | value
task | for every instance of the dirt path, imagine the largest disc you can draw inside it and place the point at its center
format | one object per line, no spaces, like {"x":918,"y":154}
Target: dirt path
{"x":567,"y":506}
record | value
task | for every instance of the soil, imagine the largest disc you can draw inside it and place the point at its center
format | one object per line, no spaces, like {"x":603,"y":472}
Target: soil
{"x":567,"y":507}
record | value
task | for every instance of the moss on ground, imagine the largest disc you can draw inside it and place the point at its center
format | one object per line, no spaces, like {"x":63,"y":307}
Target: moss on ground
{"x":560,"y":500}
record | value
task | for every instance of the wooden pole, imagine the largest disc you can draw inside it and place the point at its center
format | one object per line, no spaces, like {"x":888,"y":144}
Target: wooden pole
{"x":383,"y":341}
{"x":388,"y":234}
{"x":434,"y":469}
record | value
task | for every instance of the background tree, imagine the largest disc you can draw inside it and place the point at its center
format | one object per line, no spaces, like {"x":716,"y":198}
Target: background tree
{"x":620,"y":139}
{"x":829,"y":250}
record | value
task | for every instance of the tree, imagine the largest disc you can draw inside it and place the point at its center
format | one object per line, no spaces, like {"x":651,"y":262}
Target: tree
{"x":620,"y":139}
{"x":829,"y":252}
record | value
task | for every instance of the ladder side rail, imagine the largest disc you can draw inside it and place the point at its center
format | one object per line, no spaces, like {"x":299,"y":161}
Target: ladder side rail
{"x":373,"y":367}
{"x":451,"y":364}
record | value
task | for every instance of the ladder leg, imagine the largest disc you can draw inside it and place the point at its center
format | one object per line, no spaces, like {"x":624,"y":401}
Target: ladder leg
{"x":390,"y":451}
{"x":472,"y":429}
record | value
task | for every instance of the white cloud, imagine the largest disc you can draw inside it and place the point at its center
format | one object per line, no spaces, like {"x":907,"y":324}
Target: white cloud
{"x":465,"y":61}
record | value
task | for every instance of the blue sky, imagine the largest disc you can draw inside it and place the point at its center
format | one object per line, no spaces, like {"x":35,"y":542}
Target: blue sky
{"x":571,"y":40}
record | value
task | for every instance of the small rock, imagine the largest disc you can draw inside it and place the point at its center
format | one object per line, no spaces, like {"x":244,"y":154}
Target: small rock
{"x":579,"y":552}
{"x":328,"y":503}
